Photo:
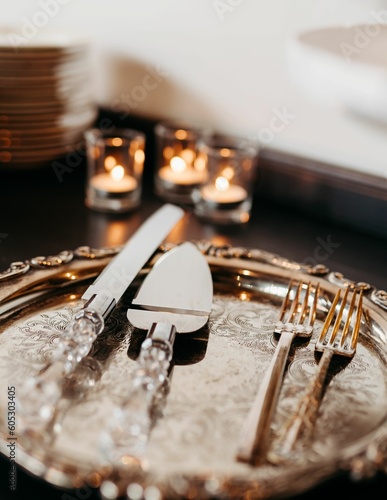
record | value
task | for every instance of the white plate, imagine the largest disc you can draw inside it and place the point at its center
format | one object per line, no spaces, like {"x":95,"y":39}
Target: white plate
{"x":15,"y":114}
{"x":44,"y":42}
{"x":61,"y":91}
{"x":40,"y":121}
{"x":26,"y":81}
{"x":41,"y":141}
{"x":345,"y":64}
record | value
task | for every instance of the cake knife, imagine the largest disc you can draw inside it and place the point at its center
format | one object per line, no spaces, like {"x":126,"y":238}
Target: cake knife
{"x":40,"y":394}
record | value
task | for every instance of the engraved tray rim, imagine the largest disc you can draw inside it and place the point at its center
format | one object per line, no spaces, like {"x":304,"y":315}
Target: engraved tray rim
{"x":25,"y":282}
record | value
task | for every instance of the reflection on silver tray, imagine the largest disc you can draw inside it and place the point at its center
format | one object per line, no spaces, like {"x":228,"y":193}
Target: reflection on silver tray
{"x":215,"y":377}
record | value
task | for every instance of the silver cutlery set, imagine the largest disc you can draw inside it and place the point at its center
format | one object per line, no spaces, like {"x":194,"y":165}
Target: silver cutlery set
{"x":176,"y":297}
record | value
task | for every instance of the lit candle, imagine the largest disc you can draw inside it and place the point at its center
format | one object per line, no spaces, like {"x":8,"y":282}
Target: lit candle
{"x":115,"y":181}
{"x":223,"y":192}
{"x":178,"y":172}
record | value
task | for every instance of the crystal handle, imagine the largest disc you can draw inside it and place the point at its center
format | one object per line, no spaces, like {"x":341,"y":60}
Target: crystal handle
{"x":128,"y":428}
{"x":40,"y":394}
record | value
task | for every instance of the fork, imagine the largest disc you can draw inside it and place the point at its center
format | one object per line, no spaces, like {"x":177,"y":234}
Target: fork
{"x":300,"y":314}
{"x":339,"y":336}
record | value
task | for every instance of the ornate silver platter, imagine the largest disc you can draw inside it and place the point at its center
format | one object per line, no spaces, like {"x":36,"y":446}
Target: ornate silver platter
{"x":215,"y":377}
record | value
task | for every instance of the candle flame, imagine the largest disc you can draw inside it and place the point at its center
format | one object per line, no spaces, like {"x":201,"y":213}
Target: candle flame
{"x":178,"y":165}
{"x":181,"y":134}
{"x":222,"y":184}
{"x":110,"y":162}
{"x":117,"y":173}
{"x":139,"y":156}
{"x":117,"y":141}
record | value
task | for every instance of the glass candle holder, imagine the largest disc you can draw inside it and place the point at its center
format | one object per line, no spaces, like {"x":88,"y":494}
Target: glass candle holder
{"x":115,"y":163}
{"x":179,"y":168}
{"x":226,"y":195}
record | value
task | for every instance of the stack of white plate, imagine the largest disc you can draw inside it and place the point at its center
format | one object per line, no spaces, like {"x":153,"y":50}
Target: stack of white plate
{"x":46,"y":98}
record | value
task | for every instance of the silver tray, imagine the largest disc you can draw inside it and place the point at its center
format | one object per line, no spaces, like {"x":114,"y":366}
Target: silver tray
{"x":215,"y":377}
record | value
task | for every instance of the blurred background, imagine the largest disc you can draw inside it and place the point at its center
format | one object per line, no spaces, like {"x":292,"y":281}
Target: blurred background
{"x":305,"y":79}
{"x":224,"y":62}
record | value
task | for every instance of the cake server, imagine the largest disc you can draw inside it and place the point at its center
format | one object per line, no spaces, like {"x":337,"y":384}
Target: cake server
{"x":175,"y":297}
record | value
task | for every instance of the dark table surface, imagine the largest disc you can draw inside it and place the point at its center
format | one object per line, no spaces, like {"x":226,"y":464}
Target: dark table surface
{"x":41,"y":214}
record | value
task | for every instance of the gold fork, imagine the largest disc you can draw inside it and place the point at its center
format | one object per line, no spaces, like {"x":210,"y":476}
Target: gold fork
{"x":339,"y":336}
{"x":300,"y":313}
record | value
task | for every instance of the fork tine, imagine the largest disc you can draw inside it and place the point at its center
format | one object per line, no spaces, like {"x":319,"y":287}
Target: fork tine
{"x":337,"y":323}
{"x":329,"y":318}
{"x":313,"y":309}
{"x":304,"y":305}
{"x":294,"y":306}
{"x":356,"y":329}
{"x":296,"y":302}
{"x":348,"y":321}
{"x":285,"y":301}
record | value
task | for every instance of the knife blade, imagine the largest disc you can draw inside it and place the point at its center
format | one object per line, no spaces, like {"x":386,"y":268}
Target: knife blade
{"x":175,"y":297}
{"x":40,"y":394}
{"x":108,"y":288}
